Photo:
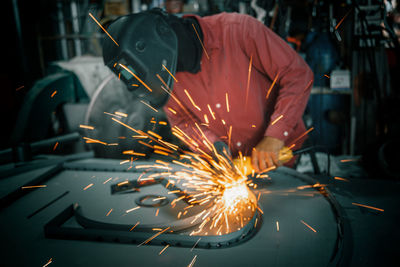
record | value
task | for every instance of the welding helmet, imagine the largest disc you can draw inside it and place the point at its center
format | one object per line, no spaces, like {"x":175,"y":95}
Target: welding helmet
{"x":146,"y":49}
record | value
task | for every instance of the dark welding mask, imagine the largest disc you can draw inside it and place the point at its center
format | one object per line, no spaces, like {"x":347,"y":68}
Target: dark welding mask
{"x":147,"y":49}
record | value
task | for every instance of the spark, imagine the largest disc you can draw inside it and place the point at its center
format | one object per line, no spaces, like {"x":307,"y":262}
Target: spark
{"x":106,"y":181}
{"x":33,"y":186}
{"x":124,"y":161}
{"x":88,"y":186}
{"x":119,"y":117}
{"x":130,"y":210}
{"x":368,"y":207}
{"x":340,"y":22}
{"x":53,"y":94}
{"x":121,"y":114}
{"x":312,"y":229}
{"x":170,"y":73}
{"x":348,"y":160}
{"x":98,"y":23}
{"x":211,"y":111}
{"x":157,"y":211}
{"x":154,"y":236}
{"x":272,"y":85}
{"x":206,"y":119}
{"x":191,"y":100}
{"x":253,"y":126}
{"x":229,"y":136}
{"x":134,"y":75}
{"x":133,"y":153}
{"x":227,"y":102}
{"x":195,"y":244}
{"x":133,"y":227}
{"x":204,"y":49}
{"x":55,"y":146}
{"x":341,"y":179}
{"x":162,"y":123}
{"x":277,"y":119}
{"x":173,"y":111}
{"x":301,"y":136}
{"x":47,"y":264}
{"x":86,"y":127}
{"x":108,"y":213}
{"x":91,"y":141}
{"x":154,"y":134}
{"x":163,"y":249}
{"x":193,"y":261}
{"x":327,"y":76}
{"x":19,"y":88}
{"x":149,"y":106}
{"x":123,"y":183}
{"x":127,"y":126}
{"x":248,"y":79}
{"x":277,"y":226}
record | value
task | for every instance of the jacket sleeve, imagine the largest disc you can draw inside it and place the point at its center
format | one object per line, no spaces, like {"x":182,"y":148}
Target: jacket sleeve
{"x":182,"y":120}
{"x":276,"y":59}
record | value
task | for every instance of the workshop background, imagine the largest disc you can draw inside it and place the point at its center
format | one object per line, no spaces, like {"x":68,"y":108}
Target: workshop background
{"x":351,"y":46}
{"x":55,"y":87}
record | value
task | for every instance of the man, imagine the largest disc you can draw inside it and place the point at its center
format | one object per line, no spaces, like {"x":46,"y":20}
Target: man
{"x":243,"y":86}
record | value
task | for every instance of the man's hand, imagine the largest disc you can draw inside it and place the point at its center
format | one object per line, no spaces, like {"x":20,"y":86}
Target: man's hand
{"x":266,"y":153}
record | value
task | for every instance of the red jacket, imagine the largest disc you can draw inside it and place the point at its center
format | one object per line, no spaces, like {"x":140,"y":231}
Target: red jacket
{"x":231,"y":41}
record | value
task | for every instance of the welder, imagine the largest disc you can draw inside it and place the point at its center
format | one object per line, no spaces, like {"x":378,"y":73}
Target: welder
{"x":236,"y":79}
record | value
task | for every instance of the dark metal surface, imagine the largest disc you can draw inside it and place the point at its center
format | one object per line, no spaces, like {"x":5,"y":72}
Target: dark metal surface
{"x":294,"y":244}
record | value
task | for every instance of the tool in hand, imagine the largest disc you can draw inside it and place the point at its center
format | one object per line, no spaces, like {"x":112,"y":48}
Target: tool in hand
{"x":285,"y":155}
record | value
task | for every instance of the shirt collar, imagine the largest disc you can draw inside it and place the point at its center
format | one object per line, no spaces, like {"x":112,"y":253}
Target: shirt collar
{"x":209,"y":37}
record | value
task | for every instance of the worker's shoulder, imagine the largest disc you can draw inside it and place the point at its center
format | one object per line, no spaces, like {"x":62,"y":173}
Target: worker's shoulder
{"x":229,"y":18}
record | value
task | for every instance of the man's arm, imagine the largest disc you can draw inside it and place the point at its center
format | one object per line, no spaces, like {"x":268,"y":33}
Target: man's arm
{"x":272,"y":56}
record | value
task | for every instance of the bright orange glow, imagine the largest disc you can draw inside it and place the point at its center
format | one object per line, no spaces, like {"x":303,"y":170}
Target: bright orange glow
{"x":277,"y":119}
{"x":98,"y":23}
{"x":173,"y":111}
{"x":211,"y":112}
{"x":47,"y":264}
{"x":204,"y":49}
{"x":133,"y":227}
{"x":33,"y":186}
{"x":227,"y":102}
{"x":121,"y":114}
{"x":341,"y":179}
{"x":53,"y":94}
{"x":55,"y":146}
{"x":340,"y":22}
{"x":163,"y":249}
{"x":108,"y":213}
{"x":170,"y":73}
{"x":88,"y":186}
{"x":191,"y":100}
{"x":368,"y":207}
{"x":86,"y":127}
{"x":134,"y":75}
{"x":272,"y":85}
{"x":130,"y":210}
{"x":312,"y":229}
{"x":248,"y":79}
{"x":106,"y":181}
{"x":301,"y":136}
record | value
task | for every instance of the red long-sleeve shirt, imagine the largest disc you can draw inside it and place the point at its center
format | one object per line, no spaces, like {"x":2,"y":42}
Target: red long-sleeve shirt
{"x":231,"y":41}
